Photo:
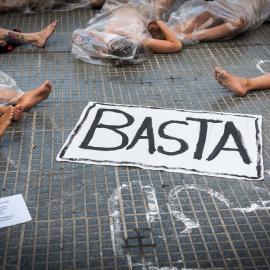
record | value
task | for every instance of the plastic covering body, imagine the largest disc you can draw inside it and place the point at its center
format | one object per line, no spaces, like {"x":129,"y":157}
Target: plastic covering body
{"x":9,"y":91}
{"x":163,"y":9}
{"x":115,"y":35}
{"x":195,"y":16}
{"x":30,"y":6}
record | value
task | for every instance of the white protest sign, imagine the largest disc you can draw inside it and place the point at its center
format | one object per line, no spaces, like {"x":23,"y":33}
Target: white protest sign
{"x":13,"y":210}
{"x":199,"y":142}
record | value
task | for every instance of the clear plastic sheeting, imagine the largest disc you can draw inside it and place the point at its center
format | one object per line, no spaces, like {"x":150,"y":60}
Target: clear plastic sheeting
{"x":192,"y":20}
{"x":163,"y":9}
{"x":115,"y":36}
{"x":30,"y":6}
{"x":9,"y":91}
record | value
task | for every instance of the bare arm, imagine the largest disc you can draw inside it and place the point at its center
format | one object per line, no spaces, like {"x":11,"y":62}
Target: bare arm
{"x":171,"y":45}
{"x":223,"y":30}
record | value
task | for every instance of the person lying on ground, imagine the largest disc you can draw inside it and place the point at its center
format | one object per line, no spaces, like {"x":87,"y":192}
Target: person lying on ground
{"x":199,"y":20}
{"x":118,"y":35}
{"x":10,"y":39}
{"x":240,"y":86}
{"x":162,"y":8}
{"x":11,"y":94}
{"x":30,"y":6}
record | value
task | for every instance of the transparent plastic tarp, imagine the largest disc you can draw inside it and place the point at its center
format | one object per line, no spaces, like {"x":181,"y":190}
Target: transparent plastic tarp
{"x":30,"y":6}
{"x":115,"y":35}
{"x":9,"y":91}
{"x":195,"y":16}
{"x":163,"y":9}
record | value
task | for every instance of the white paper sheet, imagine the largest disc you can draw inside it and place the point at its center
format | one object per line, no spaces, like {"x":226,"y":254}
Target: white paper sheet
{"x":198,"y":142}
{"x":13,"y":210}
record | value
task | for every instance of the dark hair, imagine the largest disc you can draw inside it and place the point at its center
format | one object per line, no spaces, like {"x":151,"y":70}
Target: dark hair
{"x":126,"y":48}
{"x":121,"y":48}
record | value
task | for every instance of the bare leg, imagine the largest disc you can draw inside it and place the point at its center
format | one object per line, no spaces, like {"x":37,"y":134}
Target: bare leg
{"x":202,"y":20}
{"x":17,"y":112}
{"x":30,"y":99}
{"x":38,"y":39}
{"x":221,"y":31}
{"x":5,"y":121}
{"x":240,"y":86}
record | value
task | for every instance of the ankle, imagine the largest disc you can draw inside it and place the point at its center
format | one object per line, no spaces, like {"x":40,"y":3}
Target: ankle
{"x":247,"y":84}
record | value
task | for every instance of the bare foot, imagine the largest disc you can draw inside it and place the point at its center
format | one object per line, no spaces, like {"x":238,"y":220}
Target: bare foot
{"x":154,"y":30}
{"x":30,"y":99}
{"x":97,"y":3}
{"x":17,"y":112}
{"x":5,"y":120}
{"x":44,"y":35}
{"x":76,"y":38}
{"x":235,"y":84}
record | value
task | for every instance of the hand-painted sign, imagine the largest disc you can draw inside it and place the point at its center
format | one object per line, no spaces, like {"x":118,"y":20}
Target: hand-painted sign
{"x":207,"y":143}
